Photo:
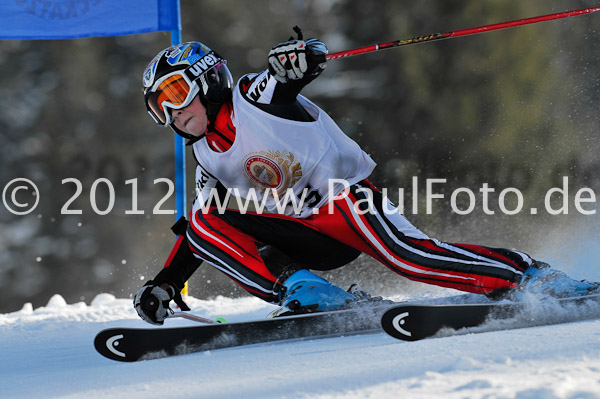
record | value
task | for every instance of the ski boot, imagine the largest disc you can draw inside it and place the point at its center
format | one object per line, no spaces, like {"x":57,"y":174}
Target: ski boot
{"x":305,"y":292}
{"x":541,"y":279}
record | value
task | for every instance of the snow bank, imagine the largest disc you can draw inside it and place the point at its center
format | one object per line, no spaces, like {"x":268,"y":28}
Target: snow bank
{"x":48,"y":353}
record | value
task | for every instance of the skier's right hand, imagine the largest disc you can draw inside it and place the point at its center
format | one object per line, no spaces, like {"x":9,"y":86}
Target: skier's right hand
{"x":295,"y":59}
{"x":152,"y":302}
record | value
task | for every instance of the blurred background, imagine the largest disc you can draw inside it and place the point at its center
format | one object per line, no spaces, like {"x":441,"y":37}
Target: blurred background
{"x":512,"y":108}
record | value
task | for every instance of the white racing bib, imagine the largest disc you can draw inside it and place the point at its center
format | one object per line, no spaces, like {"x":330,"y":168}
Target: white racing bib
{"x":277,"y":162}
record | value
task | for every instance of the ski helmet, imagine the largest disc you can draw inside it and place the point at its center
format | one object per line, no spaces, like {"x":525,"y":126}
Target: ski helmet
{"x":177,"y":74}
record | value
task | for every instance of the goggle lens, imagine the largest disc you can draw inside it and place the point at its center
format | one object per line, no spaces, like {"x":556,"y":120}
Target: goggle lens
{"x":174,"y":90}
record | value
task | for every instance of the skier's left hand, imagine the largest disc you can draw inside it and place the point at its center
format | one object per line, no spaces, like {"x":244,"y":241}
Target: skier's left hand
{"x":152,"y":302}
{"x":294,"y":59}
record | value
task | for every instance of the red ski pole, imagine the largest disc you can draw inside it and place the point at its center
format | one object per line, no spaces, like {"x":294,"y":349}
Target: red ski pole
{"x":460,"y":32}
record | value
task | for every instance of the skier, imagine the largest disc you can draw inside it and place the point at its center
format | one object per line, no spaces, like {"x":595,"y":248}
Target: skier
{"x":263,"y":138}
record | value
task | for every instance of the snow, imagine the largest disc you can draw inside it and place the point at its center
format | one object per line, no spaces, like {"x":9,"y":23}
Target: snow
{"x":48,"y":353}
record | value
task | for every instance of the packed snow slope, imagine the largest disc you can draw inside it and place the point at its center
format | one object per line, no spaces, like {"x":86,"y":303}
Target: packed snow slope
{"x":48,"y":353}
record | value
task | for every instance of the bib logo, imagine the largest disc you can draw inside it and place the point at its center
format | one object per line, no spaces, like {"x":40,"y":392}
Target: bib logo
{"x":277,"y":170}
{"x":62,"y":9}
{"x":260,"y":86}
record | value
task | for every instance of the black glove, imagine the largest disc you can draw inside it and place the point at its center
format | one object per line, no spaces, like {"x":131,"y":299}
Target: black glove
{"x":296,"y":58}
{"x":152,"y":303}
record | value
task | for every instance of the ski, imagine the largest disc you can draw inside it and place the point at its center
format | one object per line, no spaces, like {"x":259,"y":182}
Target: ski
{"x":412,"y":322}
{"x":408,"y":321}
{"x":133,"y":344}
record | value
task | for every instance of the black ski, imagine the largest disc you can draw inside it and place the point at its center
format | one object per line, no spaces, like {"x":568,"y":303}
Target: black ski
{"x":131,"y":344}
{"x":412,"y":322}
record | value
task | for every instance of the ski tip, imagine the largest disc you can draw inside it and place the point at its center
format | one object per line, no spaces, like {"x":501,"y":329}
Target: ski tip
{"x":398,"y":322}
{"x":109,"y":343}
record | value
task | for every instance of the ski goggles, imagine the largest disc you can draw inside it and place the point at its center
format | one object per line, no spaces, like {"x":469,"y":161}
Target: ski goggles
{"x":172,"y":91}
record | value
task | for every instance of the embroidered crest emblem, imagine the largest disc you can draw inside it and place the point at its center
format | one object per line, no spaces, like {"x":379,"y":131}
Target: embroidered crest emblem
{"x":277,"y":170}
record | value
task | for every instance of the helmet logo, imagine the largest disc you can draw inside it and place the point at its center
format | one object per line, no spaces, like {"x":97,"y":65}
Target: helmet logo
{"x":149,"y":73}
{"x":187,"y":52}
{"x":203,"y":64}
{"x":171,"y":54}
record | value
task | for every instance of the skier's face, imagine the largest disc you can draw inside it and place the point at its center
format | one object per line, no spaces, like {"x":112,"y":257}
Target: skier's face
{"x":191,"y":119}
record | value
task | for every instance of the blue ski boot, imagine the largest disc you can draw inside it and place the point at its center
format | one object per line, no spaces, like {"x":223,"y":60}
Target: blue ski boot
{"x":306,"y":292}
{"x":541,"y":279}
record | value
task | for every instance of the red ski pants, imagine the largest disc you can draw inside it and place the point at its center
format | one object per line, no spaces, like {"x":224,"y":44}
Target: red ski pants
{"x":360,"y":220}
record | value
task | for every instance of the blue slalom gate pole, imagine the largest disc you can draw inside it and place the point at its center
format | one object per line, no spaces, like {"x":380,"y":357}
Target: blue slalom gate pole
{"x":180,"y":189}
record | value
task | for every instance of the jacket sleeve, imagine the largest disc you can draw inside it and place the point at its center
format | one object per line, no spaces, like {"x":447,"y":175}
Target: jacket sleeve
{"x":181,"y":263}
